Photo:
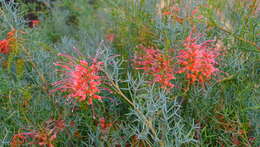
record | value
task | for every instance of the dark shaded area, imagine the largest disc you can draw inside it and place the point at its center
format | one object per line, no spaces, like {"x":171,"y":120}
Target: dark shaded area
{"x":33,"y":12}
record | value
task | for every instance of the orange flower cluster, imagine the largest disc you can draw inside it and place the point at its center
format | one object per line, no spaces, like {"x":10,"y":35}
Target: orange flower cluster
{"x":6,"y":44}
{"x":156,"y":64}
{"x":171,"y":10}
{"x":82,"y":80}
{"x":198,"y":61}
{"x":103,"y":124}
{"x":45,"y":137}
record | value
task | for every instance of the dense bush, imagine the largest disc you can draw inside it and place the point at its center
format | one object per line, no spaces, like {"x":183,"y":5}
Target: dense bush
{"x":130,"y":73}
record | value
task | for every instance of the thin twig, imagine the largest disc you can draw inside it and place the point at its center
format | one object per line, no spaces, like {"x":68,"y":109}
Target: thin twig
{"x":118,"y":90}
{"x":237,"y":37}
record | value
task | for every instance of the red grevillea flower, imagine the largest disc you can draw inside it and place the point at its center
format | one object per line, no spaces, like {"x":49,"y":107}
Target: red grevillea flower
{"x":44,"y":137}
{"x":166,"y":13}
{"x":196,"y":13}
{"x":81,"y":80}
{"x":20,"y":139}
{"x":198,"y":60}
{"x":103,"y":124}
{"x":35,"y":23}
{"x":153,"y":62}
{"x":6,"y":44}
{"x":110,"y":37}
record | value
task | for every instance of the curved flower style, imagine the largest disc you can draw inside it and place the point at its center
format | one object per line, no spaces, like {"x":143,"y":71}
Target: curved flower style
{"x":154,"y":63}
{"x":81,"y":79}
{"x":20,"y":139}
{"x":44,"y":137}
{"x":198,"y":61}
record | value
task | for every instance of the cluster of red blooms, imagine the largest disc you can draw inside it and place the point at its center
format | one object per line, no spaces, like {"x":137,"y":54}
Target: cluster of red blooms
{"x":44,"y":137}
{"x":6,"y":44}
{"x":171,"y":10}
{"x":155,"y":63}
{"x":198,"y":60}
{"x":82,"y":79}
{"x":103,"y":124}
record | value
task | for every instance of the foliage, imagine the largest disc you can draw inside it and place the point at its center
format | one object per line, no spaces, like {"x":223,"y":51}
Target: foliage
{"x":135,"y":73}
